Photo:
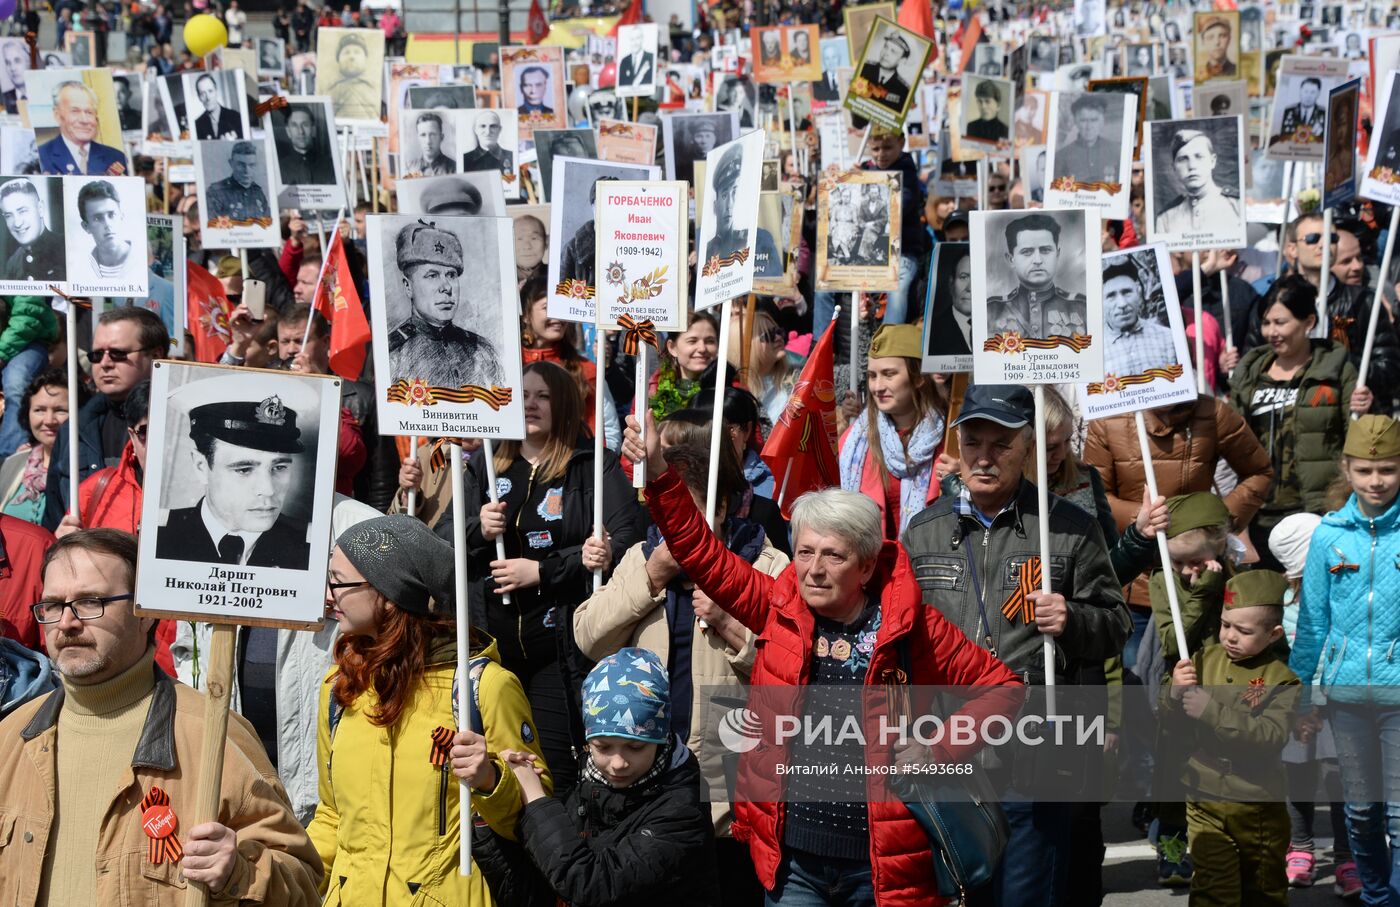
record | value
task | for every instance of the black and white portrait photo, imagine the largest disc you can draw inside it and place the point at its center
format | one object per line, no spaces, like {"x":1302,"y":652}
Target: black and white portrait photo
{"x":948,"y":310}
{"x":987,"y":59}
{"x":1220,"y":99}
{"x":128,"y":92}
{"x":1090,"y":17}
{"x":105,"y":221}
{"x":427,"y":143}
{"x":350,"y":69}
{"x":858,"y":219}
{"x":33,"y":246}
{"x":532,"y":85}
{"x":272,"y":57}
{"x":1381,"y":178}
{"x":443,"y":303}
{"x":464,"y":194}
{"x":1194,"y":183}
{"x":308,"y":159}
{"x":441,"y":97}
{"x":780,"y":219}
{"x":1033,"y":161}
{"x":636,"y":64}
{"x":892,"y":62}
{"x":729,"y":225}
{"x":1300,"y":106}
{"x":235,"y":182}
{"x":487,"y":141}
{"x":1044,"y":54}
{"x":738,"y":95}
{"x":986,"y":110}
{"x":552,"y":143}
{"x":220,"y":102}
{"x":239,"y":476}
{"x":1139,"y":60}
{"x":572,"y":230}
{"x":689,"y":137}
{"x":1036,"y":277}
{"x":827,"y":89}
{"x":1091,"y":148}
{"x":14,"y":64}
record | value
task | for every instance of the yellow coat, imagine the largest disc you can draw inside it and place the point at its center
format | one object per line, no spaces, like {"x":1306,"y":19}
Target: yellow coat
{"x":386,"y":826}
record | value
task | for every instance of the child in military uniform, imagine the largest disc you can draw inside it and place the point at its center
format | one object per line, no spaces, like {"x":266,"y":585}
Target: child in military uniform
{"x":1236,"y":700}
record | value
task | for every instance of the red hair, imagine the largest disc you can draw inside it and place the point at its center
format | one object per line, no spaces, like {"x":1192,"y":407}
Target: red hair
{"x":392,"y":663}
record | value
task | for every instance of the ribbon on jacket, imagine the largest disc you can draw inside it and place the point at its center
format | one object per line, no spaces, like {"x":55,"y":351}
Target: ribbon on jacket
{"x":1254,"y":693}
{"x":442,"y":745}
{"x":158,"y":822}
{"x":1020,"y":602}
{"x":637,"y":333}
{"x":437,"y":457}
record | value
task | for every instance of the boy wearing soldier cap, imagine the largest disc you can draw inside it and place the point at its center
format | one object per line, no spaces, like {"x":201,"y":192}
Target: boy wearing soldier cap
{"x":429,"y":344}
{"x":244,"y":453}
{"x":1236,"y":701}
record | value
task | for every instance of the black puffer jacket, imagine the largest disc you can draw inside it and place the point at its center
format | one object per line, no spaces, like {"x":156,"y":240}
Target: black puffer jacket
{"x":646,"y":845}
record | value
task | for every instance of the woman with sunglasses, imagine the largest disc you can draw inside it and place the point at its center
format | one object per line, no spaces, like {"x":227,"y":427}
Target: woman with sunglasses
{"x":770,"y":378}
{"x":544,"y":515}
{"x":43,"y":410}
{"x":1298,"y":395}
{"x":387,"y":825}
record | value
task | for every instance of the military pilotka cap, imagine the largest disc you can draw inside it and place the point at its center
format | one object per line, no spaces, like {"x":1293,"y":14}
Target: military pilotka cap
{"x":266,"y":424}
{"x":1198,"y":510}
{"x":1373,"y":437}
{"x":1008,"y":405}
{"x":423,"y":243}
{"x":1254,"y":588}
{"x":904,"y":340}
{"x":456,"y":198}
{"x":1185,"y":137}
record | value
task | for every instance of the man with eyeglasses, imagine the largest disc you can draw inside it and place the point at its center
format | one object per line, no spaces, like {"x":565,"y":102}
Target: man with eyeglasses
{"x":98,"y":777}
{"x":125,"y":344}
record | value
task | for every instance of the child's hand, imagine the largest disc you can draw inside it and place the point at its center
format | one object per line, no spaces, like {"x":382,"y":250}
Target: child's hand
{"x":1214,"y":567}
{"x":1183,"y":677}
{"x":1194,"y":702}
{"x":1153,"y":517}
{"x":527,"y":774}
{"x":1308,"y":726}
{"x":470,"y":761}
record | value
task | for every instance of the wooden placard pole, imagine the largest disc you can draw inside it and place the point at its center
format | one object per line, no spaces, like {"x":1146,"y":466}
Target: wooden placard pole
{"x":464,"y":679}
{"x":1378,"y":300}
{"x":1170,"y":578}
{"x":218,"y":688}
{"x":957,"y":390}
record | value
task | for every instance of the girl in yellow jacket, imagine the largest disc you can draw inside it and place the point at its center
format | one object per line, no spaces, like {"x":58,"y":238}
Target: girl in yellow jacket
{"x":387,"y":824}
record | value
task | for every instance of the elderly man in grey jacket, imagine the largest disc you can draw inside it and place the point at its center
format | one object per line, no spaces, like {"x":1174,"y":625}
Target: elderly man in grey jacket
{"x":968,"y":551}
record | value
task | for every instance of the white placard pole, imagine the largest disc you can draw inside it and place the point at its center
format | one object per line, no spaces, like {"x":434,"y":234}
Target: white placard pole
{"x":1289,"y":172}
{"x":411,"y":500}
{"x":598,"y":391}
{"x":488,"y":453}
{"x":981,"y":183}
{"x":639,"y":407}
{"x":1378,"y":300}
{"x":1200,"y":327}
{"x":1323,"y":279}
{"x":71,"y":320}
{"x":855,"y":337}
{"x":1042,"y":490}
{"x":464,"y":685}
{"x":717,"y":420}
{"x":1182,"y":651}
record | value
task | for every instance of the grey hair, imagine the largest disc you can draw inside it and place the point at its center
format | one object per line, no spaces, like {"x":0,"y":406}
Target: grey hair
{"x":847,"y":514}
{"x":73,"y":83}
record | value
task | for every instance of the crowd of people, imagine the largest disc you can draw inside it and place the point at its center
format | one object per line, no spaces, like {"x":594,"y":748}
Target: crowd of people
{"x":590,"y":761}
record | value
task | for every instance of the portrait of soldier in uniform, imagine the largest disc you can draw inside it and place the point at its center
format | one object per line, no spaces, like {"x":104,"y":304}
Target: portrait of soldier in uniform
{"x":1095,"y":154}
{"x":303,"y":145}
{"x":1215,"y":49}
{"x":1134,"y":341}
{"x":885,"y":85}
{"x":431,"y":160}
{"x":354,"y":96}
{"x":1038,"y":307}
{"x":534,"y":88}
{"x":488,"y":154}
{"x":1307,"y":113}
{"x":239,"y":196}
{"x":245,"y":453}
{"x":728,"y":237}
{"x":1198,"y":201}
{"x":429,"y":344}
{"x":40,"y":256}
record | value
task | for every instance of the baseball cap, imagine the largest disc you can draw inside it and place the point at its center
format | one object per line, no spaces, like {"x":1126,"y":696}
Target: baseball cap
{"x":1004,"y":404}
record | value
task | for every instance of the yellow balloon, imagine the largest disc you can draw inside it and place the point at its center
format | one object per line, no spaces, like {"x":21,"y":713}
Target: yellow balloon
{"x":204,"y":33}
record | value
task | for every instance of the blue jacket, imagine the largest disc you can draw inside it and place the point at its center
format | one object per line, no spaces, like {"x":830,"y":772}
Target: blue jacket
{"x":90,"y":459}
{"x":24,"y":675}
{"x":54,"y":157}
{"x":1349,"y":621}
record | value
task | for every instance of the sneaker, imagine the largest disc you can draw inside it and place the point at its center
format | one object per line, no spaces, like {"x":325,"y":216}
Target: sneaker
{"x":1300,"y":868}
{"x":1173,"y":863}
{"x":1348,"y":884}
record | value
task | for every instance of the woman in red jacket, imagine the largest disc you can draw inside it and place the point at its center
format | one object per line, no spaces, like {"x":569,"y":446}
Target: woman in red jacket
{"x":846,"y":613}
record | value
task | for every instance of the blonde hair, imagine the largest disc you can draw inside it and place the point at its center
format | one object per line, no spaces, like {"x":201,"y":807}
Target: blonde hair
{"x":1058,"y":416}
{"x":753,"y":379}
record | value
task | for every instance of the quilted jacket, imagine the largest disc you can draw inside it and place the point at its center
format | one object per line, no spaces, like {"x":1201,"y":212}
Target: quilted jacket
{"x":1348,"y":624}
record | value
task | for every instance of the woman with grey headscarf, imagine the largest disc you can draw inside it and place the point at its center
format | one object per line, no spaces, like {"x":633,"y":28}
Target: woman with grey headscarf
{"x":387,"y":739}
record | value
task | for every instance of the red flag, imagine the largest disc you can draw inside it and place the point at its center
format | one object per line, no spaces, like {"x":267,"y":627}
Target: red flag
{"x":537,"y":25}
{"x":970,"y":36}
{"x":633,"y":16}
{"x":801,"y":449}
{"x":339,"y":303}
{"x":917,"y":16}
{"x":207,"y":310}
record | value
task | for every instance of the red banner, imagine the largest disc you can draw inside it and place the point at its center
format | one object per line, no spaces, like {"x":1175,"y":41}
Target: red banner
{"x":801,"y":449}
{"x":207,"y":311}
{"x":338,"y":302}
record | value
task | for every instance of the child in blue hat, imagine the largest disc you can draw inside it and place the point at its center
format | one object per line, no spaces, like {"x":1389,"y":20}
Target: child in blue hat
{"x":635,"y":828}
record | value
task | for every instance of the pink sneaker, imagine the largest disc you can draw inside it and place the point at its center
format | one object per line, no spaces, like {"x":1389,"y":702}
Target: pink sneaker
{"x":1300,"y":869}
{"x":1348,"y":884}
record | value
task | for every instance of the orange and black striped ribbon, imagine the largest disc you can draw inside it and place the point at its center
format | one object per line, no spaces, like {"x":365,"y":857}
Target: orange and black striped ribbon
{"x":1254,"y":693}
{"x":1170,"y":373}
{"x":575,"y":289}
{"x":1011,"y":342}
{"x":637,"y":332}
{"x":164,"y":845}
{"x":1020,"y":604}
{"x":717,"y":264}
{"x":1341,"y":327}
{"x":442,"y":745}
{"x":437,"y":458}
{"x":1070,"y":184}
{"x":494,"y":397}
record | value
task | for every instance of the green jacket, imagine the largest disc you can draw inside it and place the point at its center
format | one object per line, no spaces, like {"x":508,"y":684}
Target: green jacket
{"x":30,"y":319}
{"x":1200,"y":611}
{"x":1304,"y":440}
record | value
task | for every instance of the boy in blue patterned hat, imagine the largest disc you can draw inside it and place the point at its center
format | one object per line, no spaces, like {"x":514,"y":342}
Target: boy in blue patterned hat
{"x":635,"y":828}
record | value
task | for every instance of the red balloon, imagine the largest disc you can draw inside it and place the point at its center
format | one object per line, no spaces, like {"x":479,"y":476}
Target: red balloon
{"x":607,"y":76}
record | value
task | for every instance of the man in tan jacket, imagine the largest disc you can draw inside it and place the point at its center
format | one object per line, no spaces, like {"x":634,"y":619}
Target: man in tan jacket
{"x":98,"y":780}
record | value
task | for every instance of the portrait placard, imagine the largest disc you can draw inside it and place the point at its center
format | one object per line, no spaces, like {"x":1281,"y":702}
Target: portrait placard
{"x":32,"y":247}
{"x":106,"y":235}
{"x":1129,"y":85}
{"x":1300,"y":112}
{"x":1194,"y":183}
{"x":446,"y":341}
{"x":470,"y":194}
{"x":272,"y":57}
{"x":309,"y":168}
{"x":1091,"y":151}
{"x":19,"y":152}
{"x":350,"y":71}
{"x":626,"y":143}
{"x":948,"y":309}
{"x":76,"y":108}
{"x":166,"y":242}
{"x":217,"y":105}
{"x":240,"y":478}
{"x":1216,"y":47}
{"x":488,"y":141}
{"x":403,"y":79}
{"x":1145,"y":358}
{"x":786,"y":53}
{"x":14,"y":70}
{"x":1220,"y":99}
{"x":573,"y":279}
{"x":690,"y":137}
{"x":427,"y":143}
{"x":1036,"y":282}
{"x":779,"y":216}
{"x":727,"y":234}
{"x":642,"y":246}
{"x":443,"y":97}
{"x":987,"y":109}
{"x":532,"y":82}
{"x":531,"y":223}
{"x":893,"y":60}
{"x":858,"y":223}
{"x":235,"y":211}
{"x":1381,"y":180}
{"x":552,"y":143}
{"x":636,"y":66}
{"x":127,"y":87}
{"x":1339,"y":167}
{"x":859,"y":20}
